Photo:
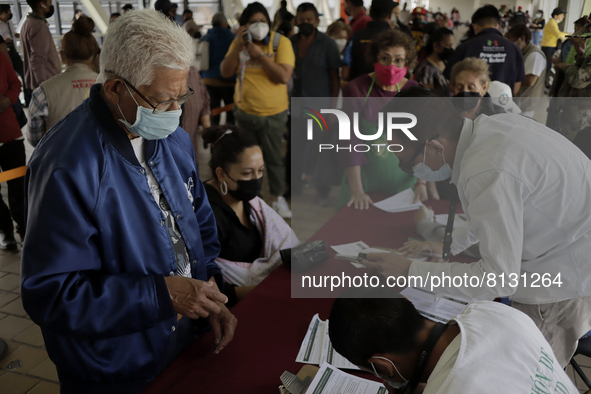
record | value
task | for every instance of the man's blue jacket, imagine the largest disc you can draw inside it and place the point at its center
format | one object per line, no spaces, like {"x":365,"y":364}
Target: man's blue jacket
{"x":97,"y":247}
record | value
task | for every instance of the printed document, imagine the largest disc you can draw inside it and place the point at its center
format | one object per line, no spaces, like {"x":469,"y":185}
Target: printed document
{"x":439,"y":308}
{"x":316,"y":347}
{"x":329,"y":380}
{"x":401,"y":202}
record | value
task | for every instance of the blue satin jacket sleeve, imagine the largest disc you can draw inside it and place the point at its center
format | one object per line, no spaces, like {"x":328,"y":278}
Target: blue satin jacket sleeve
{"x":63,"y":273}
{"x":209,"y":235}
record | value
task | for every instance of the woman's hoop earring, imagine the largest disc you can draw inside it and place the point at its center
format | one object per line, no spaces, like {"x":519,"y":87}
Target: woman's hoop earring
{"x":224,"y":188}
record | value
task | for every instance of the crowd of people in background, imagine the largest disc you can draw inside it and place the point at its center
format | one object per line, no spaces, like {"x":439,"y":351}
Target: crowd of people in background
{"x":256,"y":64}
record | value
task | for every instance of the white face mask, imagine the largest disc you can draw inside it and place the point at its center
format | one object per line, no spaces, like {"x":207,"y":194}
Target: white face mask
{"x":394,"y":385}
{"x":422,"y":171}
{"x":341,"y":43}
{"x":259,"y":30}
{"x":149,"y":125}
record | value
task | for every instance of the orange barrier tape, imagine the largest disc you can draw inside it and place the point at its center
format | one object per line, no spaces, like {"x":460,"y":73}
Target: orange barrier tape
{"x":12,"y":174}
{"x":225,"y":108}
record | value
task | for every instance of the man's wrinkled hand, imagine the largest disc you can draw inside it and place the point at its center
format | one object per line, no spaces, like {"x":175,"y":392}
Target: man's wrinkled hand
{"x":223,"y":325}
{"x":194,"y":298}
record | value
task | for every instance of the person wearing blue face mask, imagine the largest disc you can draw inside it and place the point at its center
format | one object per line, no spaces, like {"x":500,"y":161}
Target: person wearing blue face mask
{"x":537,"y":27}
{"x":119,"y":257}
{"x":514,"y":178}
{"x":411,"y":354}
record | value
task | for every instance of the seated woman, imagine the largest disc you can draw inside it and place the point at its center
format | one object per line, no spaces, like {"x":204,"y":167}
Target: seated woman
{"x":251,"y":233}
{"x":392,"y":53}
{"x":468,"y":83}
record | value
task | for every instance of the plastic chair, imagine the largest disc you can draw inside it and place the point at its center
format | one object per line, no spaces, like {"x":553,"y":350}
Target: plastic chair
{"x":584,"y":348}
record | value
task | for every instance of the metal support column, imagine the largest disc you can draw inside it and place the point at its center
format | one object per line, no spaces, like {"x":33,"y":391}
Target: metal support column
{"x":18,"y":11}
{"x":98,"y":14}
{"x":58,"y":18}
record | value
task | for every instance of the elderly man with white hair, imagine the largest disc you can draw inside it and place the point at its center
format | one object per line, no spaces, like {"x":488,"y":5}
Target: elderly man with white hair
{"x":118,"y":261}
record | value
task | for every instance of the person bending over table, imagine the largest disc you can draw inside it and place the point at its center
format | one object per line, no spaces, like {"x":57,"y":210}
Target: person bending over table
{"x":250,"y":232}
{"x":489,"y":340}
{"x":392,"y":53}
{"x":514,"y":178}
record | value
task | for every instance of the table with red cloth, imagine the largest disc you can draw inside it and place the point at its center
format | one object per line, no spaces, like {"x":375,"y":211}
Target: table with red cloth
{"x":272,"y":324}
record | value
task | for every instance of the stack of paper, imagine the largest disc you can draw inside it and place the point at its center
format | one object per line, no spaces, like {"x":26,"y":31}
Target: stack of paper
{"x":317,"y":349}
{"x":439,"y":308}
{"x":401,"y":202}
{"x":350,"y":252}
{"x":329,"y":380}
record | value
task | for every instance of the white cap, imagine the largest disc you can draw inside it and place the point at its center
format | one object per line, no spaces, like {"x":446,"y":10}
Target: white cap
{"x":502,"y":96}
{"x":191,"y":26}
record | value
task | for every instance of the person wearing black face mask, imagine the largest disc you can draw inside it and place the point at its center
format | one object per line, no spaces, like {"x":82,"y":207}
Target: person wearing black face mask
{"x":316,"y":75}
{"x":250,"y":232}
{"x":438,"y":50}
{"x":41,"y":60}
{"x":420,"y":27}
{"x":469,"y":85}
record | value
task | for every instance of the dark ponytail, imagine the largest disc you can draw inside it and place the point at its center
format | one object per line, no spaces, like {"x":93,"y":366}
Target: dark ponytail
{"x":437,"y":36}
{"x":79,"y":44}
{"x":227,"y":143}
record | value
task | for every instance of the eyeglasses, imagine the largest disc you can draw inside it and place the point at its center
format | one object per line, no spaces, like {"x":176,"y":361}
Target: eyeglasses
{"x":160,"y":107}
{"x":386,"y":60}
{"x":407,"y":167}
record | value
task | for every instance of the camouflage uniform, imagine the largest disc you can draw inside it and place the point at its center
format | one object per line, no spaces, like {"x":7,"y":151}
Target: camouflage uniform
{"x":576,"y":110}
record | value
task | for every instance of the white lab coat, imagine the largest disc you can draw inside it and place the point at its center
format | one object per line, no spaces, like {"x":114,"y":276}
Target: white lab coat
{"x":526,"y":191}
{"x":499,"y":350}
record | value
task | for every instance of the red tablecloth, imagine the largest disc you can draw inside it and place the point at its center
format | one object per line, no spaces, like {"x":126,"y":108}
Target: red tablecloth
{"x":271,"y":324}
